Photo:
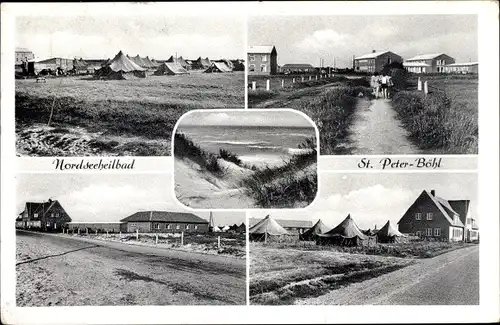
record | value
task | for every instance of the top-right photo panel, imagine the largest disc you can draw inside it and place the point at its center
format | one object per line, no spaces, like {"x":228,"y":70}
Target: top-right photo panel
{"x":374,"y":85}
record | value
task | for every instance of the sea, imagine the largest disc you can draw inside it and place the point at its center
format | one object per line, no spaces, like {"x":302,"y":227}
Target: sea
{"x":254,"y":145}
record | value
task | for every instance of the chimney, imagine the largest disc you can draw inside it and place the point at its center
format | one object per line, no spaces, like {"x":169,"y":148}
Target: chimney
{"x":373,"y":51}
{"x":433,"y":193}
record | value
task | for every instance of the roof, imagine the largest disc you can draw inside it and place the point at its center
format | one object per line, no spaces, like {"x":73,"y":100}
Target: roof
{"x":268,"y":226}
{"x":121,"y":63}
{"x":297,"y":66}
{"x":461,"y":207}
{"x":425,"y":56}
{"x":415,"y":64}
{"x":462,"y":64}
{"x":346,"y":229}
{"x":170,"y":68}
{"x":318,"y":228}
{"x":370,"y":55}
{"x":22,"y":49}
{"x":164,"y":216}
{"x":258,"y":49}
{"x":95,"y":222}
{"x":221,"y":66}
{"x":285,"y":223}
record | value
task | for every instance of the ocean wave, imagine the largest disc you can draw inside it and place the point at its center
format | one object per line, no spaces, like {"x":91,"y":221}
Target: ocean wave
{"x":264,"y":147}
{"x":246,"y":143}
{"x":297,"y":151}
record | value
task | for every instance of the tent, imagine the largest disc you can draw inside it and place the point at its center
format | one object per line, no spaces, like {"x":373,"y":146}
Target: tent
{"x":347,"y":233}
{"x":268,"y":230}
{"x":218,"y":67}
{"x":119,"y":68}
{"x":241,"y":228}
{"x":178,"y":60}
{"x":238,"y":65}
{"x":229,"y":63}
{"x":170,"y":68}
{"x":150,"y":63}
{"x":390,"y":234}
{"x":201,"y":63}
{"x":312,"y":233}
{"x":79,"y":66}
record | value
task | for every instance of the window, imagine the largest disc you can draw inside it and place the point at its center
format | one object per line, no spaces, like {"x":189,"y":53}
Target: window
{"x":437,"y":232}
{"x":35,"y":215}
{"x":419,"y":233}
{"x":263,"y":68}
{"x":156,"y":226}
{"x":195,"y":227}
{"x":428,"y":232}
{"x":429,"y":216}
{"x":187,"y":227}
{"x":418,"y":216}
{"x":263,"y":58}
{"x":177,"y":227}
{"x":48,"y":224}
{"x":251,"y":67}
{"x":251,"y":57}
{"x":169,"y":226}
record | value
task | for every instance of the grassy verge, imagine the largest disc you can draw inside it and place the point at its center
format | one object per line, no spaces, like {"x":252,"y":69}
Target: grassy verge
{"x":435,"y":122}
{"x":279,"y":276}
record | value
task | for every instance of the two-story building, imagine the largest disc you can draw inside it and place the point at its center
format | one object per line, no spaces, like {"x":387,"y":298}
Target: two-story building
{"x":44,"y":216}
{"x":428,"y":63}
{"x":375,"y":61}
{"x":262,"y":60}
{"x":433,"y":217}
{"x":23,"y":55}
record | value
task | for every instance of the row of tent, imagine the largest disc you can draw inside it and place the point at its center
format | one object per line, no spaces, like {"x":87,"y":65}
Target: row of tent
{"x":124,"y":67}
{"x":239,"y":229}
{"x":347,"y":233}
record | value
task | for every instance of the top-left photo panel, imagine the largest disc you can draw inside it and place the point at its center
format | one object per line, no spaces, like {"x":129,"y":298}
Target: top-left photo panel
{"x":104,"y":85}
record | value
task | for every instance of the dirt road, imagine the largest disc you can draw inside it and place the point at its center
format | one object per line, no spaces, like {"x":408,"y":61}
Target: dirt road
{"x":447,"y":279}
{"x":376,"y":130}
{"x":62,"y":271}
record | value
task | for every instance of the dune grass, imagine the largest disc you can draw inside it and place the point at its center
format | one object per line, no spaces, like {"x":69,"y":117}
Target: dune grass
{"x":186,"y":148}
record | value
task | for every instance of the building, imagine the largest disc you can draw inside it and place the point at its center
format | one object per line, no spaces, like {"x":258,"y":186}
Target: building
{"x":375,"y":61}
{"x":54,"y":64}
{"x":433,"y":217}
{"x":100,"y":227}
{"x":164,"y":221}
{"x":262,"y":60}
{"x":23,"y":55}
{"x":44,"y":216}
{"x":292,"y":68}
{"x":471,"y":230}
{"x":428,"y":63}
{"x":292,"y":226}
{"x":464,"y":68}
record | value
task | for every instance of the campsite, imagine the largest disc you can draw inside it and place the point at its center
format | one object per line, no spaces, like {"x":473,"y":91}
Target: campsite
{"x":117,"y":107}
{"x":288,"y":267}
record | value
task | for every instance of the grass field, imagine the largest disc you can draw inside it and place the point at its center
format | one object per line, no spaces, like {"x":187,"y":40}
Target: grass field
{"x":280,"y":273}
{"x":115,"y":117}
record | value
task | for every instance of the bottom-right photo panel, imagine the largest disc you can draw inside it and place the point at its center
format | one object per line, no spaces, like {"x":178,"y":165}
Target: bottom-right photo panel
{"x":371,"y":239}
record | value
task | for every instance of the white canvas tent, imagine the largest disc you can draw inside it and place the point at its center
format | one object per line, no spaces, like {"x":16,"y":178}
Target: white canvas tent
{"x":170,"y":68}
{"x":120,"y":67}
{"x":268,"y":230}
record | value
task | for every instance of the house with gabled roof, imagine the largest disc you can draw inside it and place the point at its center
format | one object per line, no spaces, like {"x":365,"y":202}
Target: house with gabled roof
{"x":262,"y":59}
{"x":44,"y":216}
{"x":375,"y":61}
{"x":433,"y":217}
{"x":165,"y":222}
{"x":428,"y":63}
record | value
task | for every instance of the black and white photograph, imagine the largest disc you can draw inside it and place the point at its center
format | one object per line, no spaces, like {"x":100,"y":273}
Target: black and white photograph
{"x":371,"y":239}
{"x":110,"y":85}
{"x":236,"y":159}
{"x":393,"y":84}
{"x":114,"y":240}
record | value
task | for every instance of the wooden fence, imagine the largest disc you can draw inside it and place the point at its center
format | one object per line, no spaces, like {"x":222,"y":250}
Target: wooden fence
{"x":277,"y":83}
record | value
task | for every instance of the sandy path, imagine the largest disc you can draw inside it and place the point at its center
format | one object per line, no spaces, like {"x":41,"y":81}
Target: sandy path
{"x":448,"y":279}
{"x":57,"y":270}
{"x":376,"y":130}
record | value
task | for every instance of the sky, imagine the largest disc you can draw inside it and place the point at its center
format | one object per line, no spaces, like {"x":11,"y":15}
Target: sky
{"x":306,"y":39}
{"x":159,"y":37}
{"x":108,"y":197}
{"x":372,"y":199}
{"x":246,"y":118}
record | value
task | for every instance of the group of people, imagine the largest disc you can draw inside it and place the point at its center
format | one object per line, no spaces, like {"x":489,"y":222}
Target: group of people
{"x":381,"y":83}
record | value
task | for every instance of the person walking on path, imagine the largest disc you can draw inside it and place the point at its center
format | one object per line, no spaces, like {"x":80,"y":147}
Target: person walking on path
{"x":384,"y":85}
{"x":375,"y":84}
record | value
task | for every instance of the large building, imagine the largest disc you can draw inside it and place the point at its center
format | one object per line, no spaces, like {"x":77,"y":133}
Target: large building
{"x":297,"y":68}
{"x":433,"y":217}
{"x":292,"y":226}
{"x":428,"y":63}
{"x":23,"y":55}
{"x":262,"y":60}
{"x":163,"y":221}
{"x":375,"y":61}
{"x":463,"y":68}
{"x":45,"y":216}
{"x":54,"y":64}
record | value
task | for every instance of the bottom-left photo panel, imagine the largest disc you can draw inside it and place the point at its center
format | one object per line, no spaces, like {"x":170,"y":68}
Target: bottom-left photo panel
{"x":114,"y":239}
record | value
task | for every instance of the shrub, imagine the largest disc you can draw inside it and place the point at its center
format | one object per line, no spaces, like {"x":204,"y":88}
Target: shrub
{"x":185,"y":148}
{"x":228,"y":156}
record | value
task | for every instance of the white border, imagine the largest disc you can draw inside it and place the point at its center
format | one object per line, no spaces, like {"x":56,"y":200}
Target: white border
{"x":255,"y":110}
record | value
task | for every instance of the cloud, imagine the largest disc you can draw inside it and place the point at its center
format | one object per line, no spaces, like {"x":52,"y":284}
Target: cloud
{"x":320,"y":39}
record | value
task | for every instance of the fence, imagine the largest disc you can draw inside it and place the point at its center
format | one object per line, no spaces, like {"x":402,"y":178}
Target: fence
{"x":425,"y":87}
{"x":215,"y":240}
{"x":289,"y":82}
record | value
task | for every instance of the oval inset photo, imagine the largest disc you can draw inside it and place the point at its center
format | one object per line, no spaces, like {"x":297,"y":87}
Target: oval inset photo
{"x":245,"y":159}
